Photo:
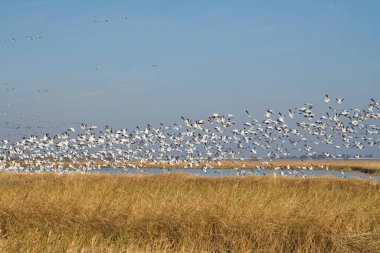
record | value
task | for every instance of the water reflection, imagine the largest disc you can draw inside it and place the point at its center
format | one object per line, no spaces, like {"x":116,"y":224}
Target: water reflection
{"x":238,"y":172}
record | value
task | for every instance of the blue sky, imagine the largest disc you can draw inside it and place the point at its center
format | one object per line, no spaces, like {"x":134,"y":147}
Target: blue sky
{"x":173,"y":58}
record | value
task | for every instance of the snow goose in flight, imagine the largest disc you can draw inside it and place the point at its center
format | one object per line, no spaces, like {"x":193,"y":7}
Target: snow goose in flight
{"x":327,"y":99}
{"x":339,"y":100}
{"x":290,"y":114}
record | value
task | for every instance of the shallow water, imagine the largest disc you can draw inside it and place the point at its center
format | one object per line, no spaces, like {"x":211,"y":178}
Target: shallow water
{"x":240,"y":172}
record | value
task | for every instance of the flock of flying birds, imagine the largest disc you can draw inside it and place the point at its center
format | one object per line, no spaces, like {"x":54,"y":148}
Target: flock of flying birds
{"x":27,"y":37}
{"x":191,"y":143}
{"x":105,"y":19}
{"x":108,"y":19}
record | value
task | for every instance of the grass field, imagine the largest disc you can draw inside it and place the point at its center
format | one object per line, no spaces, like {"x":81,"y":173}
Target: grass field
{"x":187,"y":213}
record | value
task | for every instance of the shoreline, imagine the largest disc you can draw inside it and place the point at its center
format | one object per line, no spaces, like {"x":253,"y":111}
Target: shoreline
{"x":369,"y":166}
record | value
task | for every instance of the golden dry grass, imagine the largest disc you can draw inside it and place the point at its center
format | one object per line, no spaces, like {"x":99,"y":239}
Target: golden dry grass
{"x":187,"y":213}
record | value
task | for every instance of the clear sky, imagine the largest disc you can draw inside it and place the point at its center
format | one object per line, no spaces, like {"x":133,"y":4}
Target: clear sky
{"x":85,"y":62}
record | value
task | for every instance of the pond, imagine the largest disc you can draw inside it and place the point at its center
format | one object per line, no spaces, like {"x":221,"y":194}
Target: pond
{"x":238,"y":172}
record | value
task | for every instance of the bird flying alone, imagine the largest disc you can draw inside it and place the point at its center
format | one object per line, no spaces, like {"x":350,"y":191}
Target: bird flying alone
{"x":327,"y":99}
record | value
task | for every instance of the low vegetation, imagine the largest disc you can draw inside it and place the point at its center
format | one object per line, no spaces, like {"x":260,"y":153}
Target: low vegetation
{"x":187,"y":213}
